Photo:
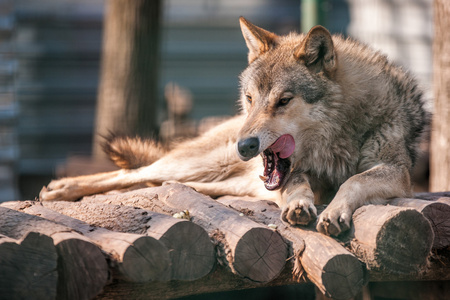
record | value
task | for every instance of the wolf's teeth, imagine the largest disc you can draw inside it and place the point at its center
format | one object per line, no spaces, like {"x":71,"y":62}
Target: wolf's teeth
{"x":276,"y":178}
{"x":263,"y":178}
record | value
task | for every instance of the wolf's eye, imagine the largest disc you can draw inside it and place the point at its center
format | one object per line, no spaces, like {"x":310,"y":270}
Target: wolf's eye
{"x":284,"y":101}
{"x":249,"y":99}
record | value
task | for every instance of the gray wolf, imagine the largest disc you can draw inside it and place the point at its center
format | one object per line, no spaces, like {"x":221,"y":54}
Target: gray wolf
{"x":323,"y":119}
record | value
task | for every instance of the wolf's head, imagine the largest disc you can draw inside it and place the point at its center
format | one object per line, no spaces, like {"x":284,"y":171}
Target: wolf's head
{"x":282,"y":91}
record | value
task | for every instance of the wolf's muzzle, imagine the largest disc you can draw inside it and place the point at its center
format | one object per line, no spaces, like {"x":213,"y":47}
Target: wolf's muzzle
{"x":248,"y":148}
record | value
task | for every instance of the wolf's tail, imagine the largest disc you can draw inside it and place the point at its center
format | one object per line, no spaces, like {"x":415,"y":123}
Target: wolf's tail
{"x":132,"y":152}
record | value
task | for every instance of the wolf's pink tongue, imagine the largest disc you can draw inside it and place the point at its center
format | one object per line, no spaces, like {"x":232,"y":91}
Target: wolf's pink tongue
{"x":284,"y":146}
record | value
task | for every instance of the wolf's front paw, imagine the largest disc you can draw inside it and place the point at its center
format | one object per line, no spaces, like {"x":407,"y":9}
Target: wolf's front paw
{"x":299,"y":212}
{"x":63,"y":189}
{"x":333,"y":221}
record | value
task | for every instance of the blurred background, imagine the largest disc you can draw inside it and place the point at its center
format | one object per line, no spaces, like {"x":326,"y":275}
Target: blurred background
{"x":53,"y":74}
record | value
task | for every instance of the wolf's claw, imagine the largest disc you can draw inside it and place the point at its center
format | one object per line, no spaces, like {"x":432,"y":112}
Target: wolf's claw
{"x":62,"y":189}
{"x":299,"y":212}
{"x":334,"y":221}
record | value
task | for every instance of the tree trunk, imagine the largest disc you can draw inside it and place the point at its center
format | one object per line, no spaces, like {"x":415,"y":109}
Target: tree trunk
{"x":127,"y":97}
{"x":440,"y":134}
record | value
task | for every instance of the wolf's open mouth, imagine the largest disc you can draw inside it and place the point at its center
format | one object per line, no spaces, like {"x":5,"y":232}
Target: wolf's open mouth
{"x":276,"y":162}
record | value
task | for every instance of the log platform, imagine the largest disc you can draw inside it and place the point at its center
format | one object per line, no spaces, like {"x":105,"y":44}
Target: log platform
{"x":129,"y":245}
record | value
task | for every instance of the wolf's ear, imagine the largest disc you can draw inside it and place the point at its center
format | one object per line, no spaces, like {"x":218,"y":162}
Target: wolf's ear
{"x":317,"y":51}
{"x":257,"y":39}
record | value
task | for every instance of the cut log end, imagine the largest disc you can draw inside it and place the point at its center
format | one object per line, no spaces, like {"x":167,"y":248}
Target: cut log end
{"x":395,"y":240}
{"x":191,"y":252}
{"x":82,"y":269}
{"x":190,"y":249}
{"x":260,"y":255}
{"x":404,"y":242}
{"x":147,"y":259}
{"x":343,"y":276}
{"x":438,"y":215}
{"x":436,"y":211}
{"x":28,"y":270}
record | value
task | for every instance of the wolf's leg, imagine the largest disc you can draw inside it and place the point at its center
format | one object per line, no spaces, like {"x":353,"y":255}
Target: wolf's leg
{"x":207,"y":175}
{"x":173,"y":167}
{"x":372,"y":186}
{"x":299,"y":208}
{"x":235,"y":177}
{"x":73,"y":188}
{"x":236,"y":186}
{"x":211,"y":157}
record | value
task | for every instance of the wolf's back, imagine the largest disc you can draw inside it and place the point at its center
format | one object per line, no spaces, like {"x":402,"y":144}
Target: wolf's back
{"x":132,"y":152}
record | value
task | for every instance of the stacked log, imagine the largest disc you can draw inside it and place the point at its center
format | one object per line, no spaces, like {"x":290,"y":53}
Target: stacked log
{"x":134,"y":257}
{"x":391,"y":239}
{"x":247,"y":248}
{"x":82,"y":271}
{"x":332,"y":268}
{"x":190,"y":250}
{"x":437,"y":212}
{"x":28,"y":267}
{"x":73,"y":248}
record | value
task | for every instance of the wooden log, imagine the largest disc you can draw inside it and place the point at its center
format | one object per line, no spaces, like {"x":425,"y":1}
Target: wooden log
{"x":82,"y":268}
{"x":28,"y":267}
{"x":442,"y":197}
{"x":333,"y":269}
{"x":391,"y":239}
{"x":432,"y":196}
{"x":190,"y":249}
{"x":411,"y":290}
{"x":135,"y":257}
{"x":437,"y":212}
{"x":220,"y":280}
{"x":249,"y":249}
{"x":437,"y":268}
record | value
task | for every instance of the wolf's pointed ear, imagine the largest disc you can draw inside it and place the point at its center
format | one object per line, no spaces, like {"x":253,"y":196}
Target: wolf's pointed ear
{"x":317,"y":51}
{"x":257,"y":39}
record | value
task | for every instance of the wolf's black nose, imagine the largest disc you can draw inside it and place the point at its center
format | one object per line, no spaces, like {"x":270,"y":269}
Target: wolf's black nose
{"x":248,"y":148}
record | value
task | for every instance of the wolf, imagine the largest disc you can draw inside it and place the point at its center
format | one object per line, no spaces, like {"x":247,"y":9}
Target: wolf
{"x":323,"y":119}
